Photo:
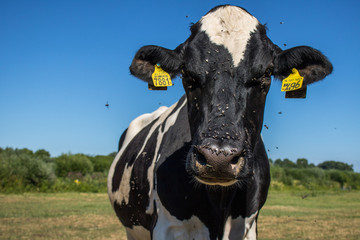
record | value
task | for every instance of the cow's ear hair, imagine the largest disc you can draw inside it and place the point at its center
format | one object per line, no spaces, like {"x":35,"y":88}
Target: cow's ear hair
{"x":311,"y":64}
{"x":143,"y":64}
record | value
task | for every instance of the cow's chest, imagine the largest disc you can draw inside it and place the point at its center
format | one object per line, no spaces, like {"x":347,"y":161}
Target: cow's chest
{"x":169,"y":227}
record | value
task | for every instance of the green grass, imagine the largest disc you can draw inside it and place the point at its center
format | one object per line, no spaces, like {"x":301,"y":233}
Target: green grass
{"x":58,"y":216}
{"x":312,"y":215}
{"x":286,"y":215}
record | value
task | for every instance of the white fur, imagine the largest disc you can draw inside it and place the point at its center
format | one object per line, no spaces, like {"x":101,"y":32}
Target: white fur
{"x":250,"y":227}
{"x":170,"y":228}
{"x":235,"y":227}
{"x":230,"y":27}
{"x":122,"y":194}
{"x":227,"y":228}
{"x":137,"y":232}
{"x":134,"y":128}
{"x":169,"y":122}
{"x":140,"y":122}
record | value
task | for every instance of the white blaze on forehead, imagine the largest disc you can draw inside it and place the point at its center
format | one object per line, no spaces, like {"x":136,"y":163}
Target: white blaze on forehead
{"x":230,"y":27}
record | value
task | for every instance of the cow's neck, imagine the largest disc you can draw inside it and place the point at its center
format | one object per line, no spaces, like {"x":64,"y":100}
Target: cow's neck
{"x":221,"y":201}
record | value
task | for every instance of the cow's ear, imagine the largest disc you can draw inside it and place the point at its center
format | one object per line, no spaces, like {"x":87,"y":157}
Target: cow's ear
{"x":143,"y":64}
{"x":311,"y":64}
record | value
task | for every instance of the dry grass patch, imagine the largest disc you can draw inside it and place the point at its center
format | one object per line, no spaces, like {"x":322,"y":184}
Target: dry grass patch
{"x":338,"y":217}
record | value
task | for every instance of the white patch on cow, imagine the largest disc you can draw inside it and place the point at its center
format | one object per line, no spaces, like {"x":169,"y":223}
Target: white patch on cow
{"x":227,"y":228}
{"x":236,"y":227}
{"x":137,"y":232}
{"x":151,"y":176}
{"x":134,"y":128}
{"x":167,"y":226}
{"x":230,"y":27}
{"x":233,"y":228}
{"x":140,"y":122}
{"x":160,"y":120}
{"x":250,"y":227}
{"x":169,"y":122}
{"x":193,"y":226}
{"x":110,"y":176}
{"x":170,"y":228}
{"x":122,"y":195}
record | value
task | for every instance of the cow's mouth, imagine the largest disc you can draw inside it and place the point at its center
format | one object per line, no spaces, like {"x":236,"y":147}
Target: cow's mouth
{"x":216,"y":181}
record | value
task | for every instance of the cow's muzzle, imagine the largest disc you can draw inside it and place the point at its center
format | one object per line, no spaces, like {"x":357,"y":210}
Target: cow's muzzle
{"x":212,"y":165}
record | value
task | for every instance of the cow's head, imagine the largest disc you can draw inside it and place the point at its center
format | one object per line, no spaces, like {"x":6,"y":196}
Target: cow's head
{"x":226,"y":66}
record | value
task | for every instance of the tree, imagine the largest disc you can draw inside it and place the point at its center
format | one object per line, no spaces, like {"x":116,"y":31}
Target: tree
{"x":73,"y":163}
{"x":20,"y":168}
{"x":43,"y":155}
{"x":302,"y":163}
{"x":288,"y":164}
{"x":278,"y":162}
{"x":24,"y":151}
{"x":336,"y":165}
{"x":113,"y":154}
{"x":101,"y":163}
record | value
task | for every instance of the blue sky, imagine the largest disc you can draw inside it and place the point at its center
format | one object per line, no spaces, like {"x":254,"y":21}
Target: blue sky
{"x":62,"y":61}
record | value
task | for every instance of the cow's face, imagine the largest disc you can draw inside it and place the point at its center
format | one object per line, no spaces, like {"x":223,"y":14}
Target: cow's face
{"x":226,"y":66}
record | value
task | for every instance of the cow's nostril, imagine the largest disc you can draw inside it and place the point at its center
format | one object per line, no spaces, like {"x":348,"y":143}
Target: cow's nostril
{"x":200,"y":159}
{"x":235,"y":160}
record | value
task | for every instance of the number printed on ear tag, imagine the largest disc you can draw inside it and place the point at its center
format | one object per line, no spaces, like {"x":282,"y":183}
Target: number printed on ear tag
{"x":293,"y":82}
{"x":160,"y":77}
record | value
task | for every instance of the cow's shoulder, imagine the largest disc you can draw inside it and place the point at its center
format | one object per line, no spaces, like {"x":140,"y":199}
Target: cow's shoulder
{"x":140,"y":123}
{"x":147,"y":141}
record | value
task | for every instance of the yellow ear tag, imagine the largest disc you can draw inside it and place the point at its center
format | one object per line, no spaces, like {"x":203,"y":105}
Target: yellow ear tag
{"x":293,"y":82}
{"x":160,"y":77}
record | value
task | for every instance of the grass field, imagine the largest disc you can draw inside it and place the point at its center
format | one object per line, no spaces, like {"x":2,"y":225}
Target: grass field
{"x":317,"y":216}
{"x":286,"y":215}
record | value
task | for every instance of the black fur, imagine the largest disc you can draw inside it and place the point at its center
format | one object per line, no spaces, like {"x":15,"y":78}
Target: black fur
{"x":311,"y":63}
{"x":216,"y":137}
{"x":122,"y":138}
{"x":147,"y":57}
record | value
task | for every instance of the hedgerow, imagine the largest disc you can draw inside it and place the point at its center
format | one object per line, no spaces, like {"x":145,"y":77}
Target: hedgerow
{"x":22,"y":170}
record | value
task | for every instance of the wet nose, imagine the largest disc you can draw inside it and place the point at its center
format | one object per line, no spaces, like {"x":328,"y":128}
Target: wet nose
{"x":219,"y":162}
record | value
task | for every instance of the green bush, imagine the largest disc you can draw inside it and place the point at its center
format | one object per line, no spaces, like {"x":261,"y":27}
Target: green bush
{"x":67,"y":163}
{"x":307,"y":176}
{"x":327,"y":165}
{"x":354,"y":180}
{"x":22,"y":170}
{"x":101,"y":163}
{"x":88,"y":183}
{"x":276,"y":172}
{"x":342,"y":177}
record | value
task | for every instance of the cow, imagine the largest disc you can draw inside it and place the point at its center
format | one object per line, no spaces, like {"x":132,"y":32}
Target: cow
{"x":199,"y":169}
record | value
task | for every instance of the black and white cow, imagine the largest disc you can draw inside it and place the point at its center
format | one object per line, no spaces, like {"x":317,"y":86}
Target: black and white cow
{"x":199,"y":169}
